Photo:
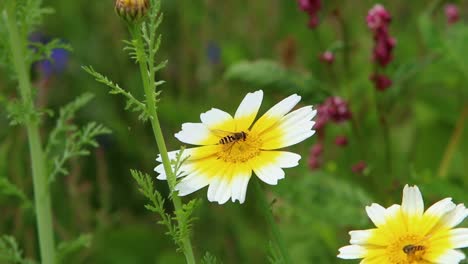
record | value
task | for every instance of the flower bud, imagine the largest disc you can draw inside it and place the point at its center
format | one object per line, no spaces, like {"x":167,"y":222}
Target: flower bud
{"x":132,"y":11}
{"x":452,"y":14}
{"x":341,"y":141}
{"x":327,"y":57}
{"x":381,"y":81}
{"x":316,"y":150}
{"x":359,"y":167}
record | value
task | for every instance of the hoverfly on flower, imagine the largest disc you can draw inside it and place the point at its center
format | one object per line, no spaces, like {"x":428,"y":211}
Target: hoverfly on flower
{"x":231,"y":148}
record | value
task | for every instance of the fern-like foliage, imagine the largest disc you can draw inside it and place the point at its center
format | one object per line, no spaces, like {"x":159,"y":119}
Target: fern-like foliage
{"x":44,"y":50}
{"x":67,"y":140}
{"x":28,"y":16}
{"x":10,"y":253}
{"x":156,"y":205}
{"x":67,"y":248}
{"x":7,"y":188}
{"x":274,"y":255}
{"x":132,"y":104}
{"x":209,"y":259}
{"x":156,"y":202}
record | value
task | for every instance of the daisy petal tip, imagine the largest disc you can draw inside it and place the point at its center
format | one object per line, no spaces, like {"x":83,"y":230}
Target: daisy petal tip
{"x":351,"y":252}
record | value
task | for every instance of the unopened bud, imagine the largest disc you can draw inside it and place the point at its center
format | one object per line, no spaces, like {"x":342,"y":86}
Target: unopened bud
{"x":132,"y":11}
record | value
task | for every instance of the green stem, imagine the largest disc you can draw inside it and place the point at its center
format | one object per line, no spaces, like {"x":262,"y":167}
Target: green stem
{"x":272,"y":223}
{"x":386,"y":136}
{"x":158,"y":135}
{"x":453,"y":143}
{"x":41,"y":189}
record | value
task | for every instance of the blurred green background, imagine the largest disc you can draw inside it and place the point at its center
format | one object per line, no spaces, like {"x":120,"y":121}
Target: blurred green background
{"x":210,"y":46}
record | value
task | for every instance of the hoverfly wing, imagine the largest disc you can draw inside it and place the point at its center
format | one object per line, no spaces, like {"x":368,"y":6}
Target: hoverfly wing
{"x":221,"y":133}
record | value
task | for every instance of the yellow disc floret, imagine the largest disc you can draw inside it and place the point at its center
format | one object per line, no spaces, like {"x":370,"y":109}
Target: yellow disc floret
{"x":240,"y":150}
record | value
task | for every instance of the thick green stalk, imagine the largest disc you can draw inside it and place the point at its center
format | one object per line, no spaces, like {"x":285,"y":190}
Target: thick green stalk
{"x":149,"y":88}
{"x":272,"y":223}
{"x":41,"y":189}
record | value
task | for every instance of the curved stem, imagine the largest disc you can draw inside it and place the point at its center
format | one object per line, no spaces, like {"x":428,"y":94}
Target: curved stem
{"x":42,"y":198}
{"x":148,"y":86}
{"x":272,"y":223}
{"x":453,"y":143}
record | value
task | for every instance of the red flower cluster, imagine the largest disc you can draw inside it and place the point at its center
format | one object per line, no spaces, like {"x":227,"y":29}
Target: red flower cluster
{"x":378,"y":19}
{"x":451,"y":12}
{"x":381,"y":81}
{"x":315,"y":157}
{"x":333,"y":109}
{"x":311,"y":7}
{"x":359,"y":167}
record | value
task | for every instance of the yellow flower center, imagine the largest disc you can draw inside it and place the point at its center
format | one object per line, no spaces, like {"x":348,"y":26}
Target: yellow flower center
{"x":408,"y":249}
{"x":237,"y":149}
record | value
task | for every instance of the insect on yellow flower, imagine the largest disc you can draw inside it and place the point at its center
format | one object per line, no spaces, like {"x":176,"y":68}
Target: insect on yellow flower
{"x":230,"y":148}
{"x":407,"y":235}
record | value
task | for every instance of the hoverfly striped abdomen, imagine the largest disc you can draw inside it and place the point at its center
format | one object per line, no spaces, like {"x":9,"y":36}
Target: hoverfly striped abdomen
{"x":234,"y":137}
{"x":411,"y":249}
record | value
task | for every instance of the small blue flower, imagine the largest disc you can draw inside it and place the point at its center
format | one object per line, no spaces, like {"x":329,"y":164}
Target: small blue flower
{"x":57,"y":62}
{"x":213,"y":53}
{"x":55,"y":65}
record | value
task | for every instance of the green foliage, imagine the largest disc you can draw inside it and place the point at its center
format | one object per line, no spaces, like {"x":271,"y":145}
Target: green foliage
{"x":268,"y":74}
{"x":156,"y":205}
{"x":44,"y":50}
{"x":132,"y":104}
{"x":260,"y":73}
{"x":20,"y":113}
{"x":67,"y":140}
{"x":209,"y":259}
{"x":274,"y":256}
{"x":10,"y":253}
{"x":176,"y":231}
{"x":9,"y":189}
{"x":65,"y":249}
{"x":29,"y":15}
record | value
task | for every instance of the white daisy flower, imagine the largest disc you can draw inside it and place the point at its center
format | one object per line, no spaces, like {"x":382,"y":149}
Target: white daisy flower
{"x":230,"y":148}
{"x":407,"y":235}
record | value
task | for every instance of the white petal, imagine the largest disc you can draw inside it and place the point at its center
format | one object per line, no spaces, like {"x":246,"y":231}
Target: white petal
{"x":360,"y":236}
{"x":272,"y":116}
{"x":219,"y":189}
{"x":193,"y":182}
{"x":456,"y":216}
{"x":269,"y":173}
{"x":287,"y":159}
{"x":376,"y":214}
{"x":291,"y":129}
{"x":160,"y":170}
{"x":213,"y":188}
{"x":195,"y":133}
{"x":352,"y":252}
{"x":451,"y":257}
{"x":459,"y":237}
{"x":300,"y":115}
{"x":239,"y":184}
{"x":441,"y":207}
{"x":172,"y":154}
{"x":224,"y":191}
{"x":248,"y":109}
{"x":412,"y":203}
{"x":216,"y":118}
